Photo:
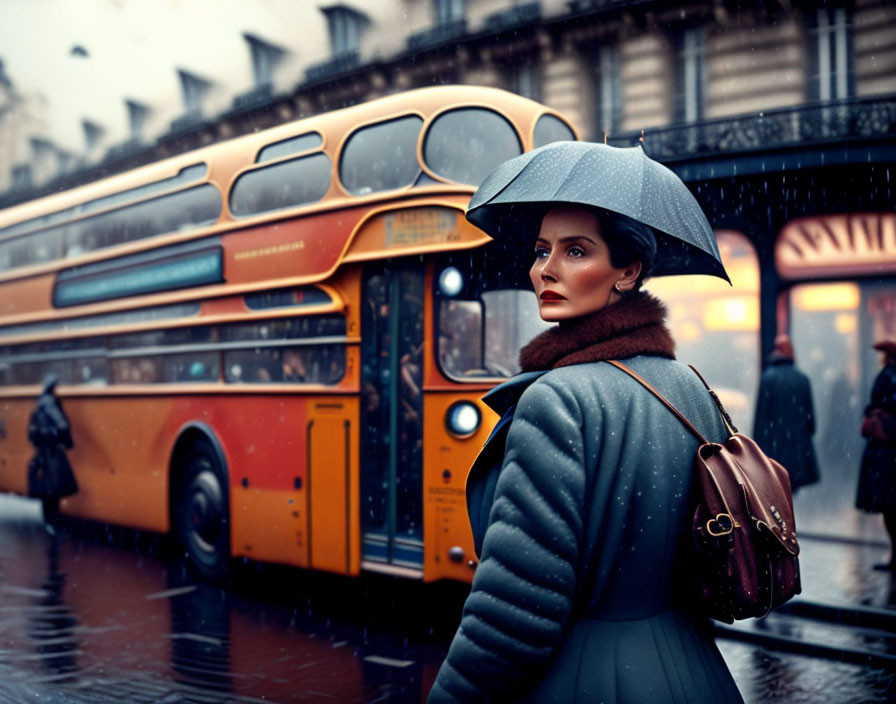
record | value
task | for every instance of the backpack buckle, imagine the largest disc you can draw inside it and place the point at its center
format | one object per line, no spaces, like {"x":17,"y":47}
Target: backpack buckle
{"x":722,"y":524}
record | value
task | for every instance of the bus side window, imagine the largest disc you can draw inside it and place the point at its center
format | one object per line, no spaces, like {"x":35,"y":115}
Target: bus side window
{"x":28,"y":373}
{"x":257,"y":366}
{"x":175,"y":212}
{"x":281,"y":185}
{"x":308,"y":364}
{"x":293,"y":145}
{"x":92,"y":371}
{"x":550,"y":128}
{"x":466,"y":144}
{"x":293,"y":366}
{"x":381,"y":157}
{"x":135,"y":370}
{"x":33,"y":249}
{"x":191,"y":367}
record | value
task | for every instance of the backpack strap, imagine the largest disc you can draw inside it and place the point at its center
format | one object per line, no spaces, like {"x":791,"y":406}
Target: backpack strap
{"x":647,"y":385}
{"x":729,"y":424}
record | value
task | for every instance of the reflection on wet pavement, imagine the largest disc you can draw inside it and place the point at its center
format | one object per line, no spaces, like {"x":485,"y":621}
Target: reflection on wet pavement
{"x":765,"y":676}
{"x":835,"y":573}
{"x":100,"y":616}
{"x":92,"y":618}
{"x":51,"y":623}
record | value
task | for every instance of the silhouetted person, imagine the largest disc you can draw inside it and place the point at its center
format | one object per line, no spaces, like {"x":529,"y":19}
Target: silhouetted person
{"x":877,"y":476}
{"x":785,"y":417}
{"x":50,"y":475}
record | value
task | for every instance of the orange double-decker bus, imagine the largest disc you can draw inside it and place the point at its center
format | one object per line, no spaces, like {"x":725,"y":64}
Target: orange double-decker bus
{"x":274,"y":347}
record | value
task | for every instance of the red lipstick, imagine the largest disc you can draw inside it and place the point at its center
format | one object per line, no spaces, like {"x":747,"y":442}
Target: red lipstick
{"x":551,"y":296}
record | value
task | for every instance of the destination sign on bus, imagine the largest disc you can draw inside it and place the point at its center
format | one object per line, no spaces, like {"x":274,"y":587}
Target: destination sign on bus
{"x":420,"y":226}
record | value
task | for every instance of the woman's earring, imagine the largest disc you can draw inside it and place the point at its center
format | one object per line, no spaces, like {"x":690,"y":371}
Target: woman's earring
{"x":616,"y":286}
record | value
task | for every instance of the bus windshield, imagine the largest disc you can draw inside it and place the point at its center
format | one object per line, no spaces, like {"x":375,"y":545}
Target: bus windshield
{"x":486,"y":313}
{"x":483,"y":337}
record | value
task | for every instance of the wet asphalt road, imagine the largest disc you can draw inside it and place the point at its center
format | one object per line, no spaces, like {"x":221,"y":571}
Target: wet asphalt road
{"x":99,"y":615}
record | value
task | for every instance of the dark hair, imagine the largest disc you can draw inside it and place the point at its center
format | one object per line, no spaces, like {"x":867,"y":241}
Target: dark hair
{"x":628,"y":241}
{"x":50,"y":382}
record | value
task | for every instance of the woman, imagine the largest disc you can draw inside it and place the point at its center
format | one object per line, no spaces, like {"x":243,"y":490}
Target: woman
{"x":877,"y":477}
{"x":50,"y":475}
{"x":580,"y":501}
{"x":784,"y":422}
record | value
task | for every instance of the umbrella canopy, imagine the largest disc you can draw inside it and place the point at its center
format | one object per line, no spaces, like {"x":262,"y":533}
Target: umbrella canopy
{"x":510,"y":202}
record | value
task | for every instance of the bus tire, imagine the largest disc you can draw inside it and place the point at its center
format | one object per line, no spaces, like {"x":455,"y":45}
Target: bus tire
{"x":203,"y":512}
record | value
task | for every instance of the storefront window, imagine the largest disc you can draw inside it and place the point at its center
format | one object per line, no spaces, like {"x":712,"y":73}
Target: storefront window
{"x":716,"y":326}
{"x":833,"y":327}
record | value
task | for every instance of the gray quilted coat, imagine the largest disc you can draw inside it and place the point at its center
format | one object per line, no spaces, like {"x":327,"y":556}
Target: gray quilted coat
{"x":579,"y":506}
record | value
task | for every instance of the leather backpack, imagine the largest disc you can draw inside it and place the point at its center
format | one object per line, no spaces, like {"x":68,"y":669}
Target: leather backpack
{"x":744,"y":544}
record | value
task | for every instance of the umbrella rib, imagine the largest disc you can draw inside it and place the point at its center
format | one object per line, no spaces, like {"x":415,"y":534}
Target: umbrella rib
{"x":572,"y":168}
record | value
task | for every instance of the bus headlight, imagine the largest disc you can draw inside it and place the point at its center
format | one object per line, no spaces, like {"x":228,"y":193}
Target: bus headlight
{"x":451,"y":282}
{"x":463,"y":419}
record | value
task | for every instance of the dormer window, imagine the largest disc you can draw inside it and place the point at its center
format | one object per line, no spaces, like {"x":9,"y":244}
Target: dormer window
{"x":193,"y":89}
{"x":138,"y":114}
{"x":448,"y":11}
{"x":93,"y":135}
{"x":345,"y":25}
{"x":265,"y":57}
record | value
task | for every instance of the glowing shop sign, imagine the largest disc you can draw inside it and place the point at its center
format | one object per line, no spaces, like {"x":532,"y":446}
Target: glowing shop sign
{"x":831,"y":246}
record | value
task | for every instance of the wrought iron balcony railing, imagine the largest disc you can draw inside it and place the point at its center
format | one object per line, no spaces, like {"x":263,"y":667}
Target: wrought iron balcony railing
{"x":440,"y":34}
{"x":343,"y":63}
{"x":188,"y":121}
{"x":257,"y":96}
{"x":819,"y":123}
{"x":513,"y":17}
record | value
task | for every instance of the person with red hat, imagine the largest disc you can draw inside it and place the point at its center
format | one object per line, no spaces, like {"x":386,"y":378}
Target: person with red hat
{"x":877,"y":476}
{"x":784,"y":422}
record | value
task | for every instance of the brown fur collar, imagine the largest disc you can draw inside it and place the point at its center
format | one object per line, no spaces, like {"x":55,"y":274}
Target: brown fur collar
{"x":634,"y":325}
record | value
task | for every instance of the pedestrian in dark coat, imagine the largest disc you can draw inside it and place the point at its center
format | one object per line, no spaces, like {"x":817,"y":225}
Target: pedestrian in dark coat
{"x":50,"y":475}
{"x":785,"y":417}
{"x":877,"y":476}
{"x":580,"y":500}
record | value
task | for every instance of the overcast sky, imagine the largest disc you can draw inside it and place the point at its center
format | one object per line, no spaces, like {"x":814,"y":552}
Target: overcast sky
{"x":133,"y":50}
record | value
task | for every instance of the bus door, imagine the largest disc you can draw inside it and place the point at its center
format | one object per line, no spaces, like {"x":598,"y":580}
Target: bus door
{"x":392,"y":416}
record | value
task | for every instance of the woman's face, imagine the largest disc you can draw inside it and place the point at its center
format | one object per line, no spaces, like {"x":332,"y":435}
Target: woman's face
{"x":572,"y":274}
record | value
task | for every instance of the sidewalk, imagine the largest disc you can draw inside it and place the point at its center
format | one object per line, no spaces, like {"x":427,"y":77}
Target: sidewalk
{"x":835,"y":642}
{"x":840,"y":547}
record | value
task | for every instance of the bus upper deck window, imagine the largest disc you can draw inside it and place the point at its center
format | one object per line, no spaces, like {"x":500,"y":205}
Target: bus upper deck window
{"x":281,"y":185}
{"x":550,"y":129}
{"x":176,"y":212}
{"x":467,"y":144}
{"x":288,"y":147}
{"x":381,"y":157}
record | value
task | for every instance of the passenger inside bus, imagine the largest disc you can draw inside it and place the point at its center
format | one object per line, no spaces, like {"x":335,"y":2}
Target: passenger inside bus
{"x":460,"y":323}
{"x":293,"y":366}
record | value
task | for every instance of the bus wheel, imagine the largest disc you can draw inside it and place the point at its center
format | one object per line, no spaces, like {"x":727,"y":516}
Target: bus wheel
{"x":203,"y":515}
